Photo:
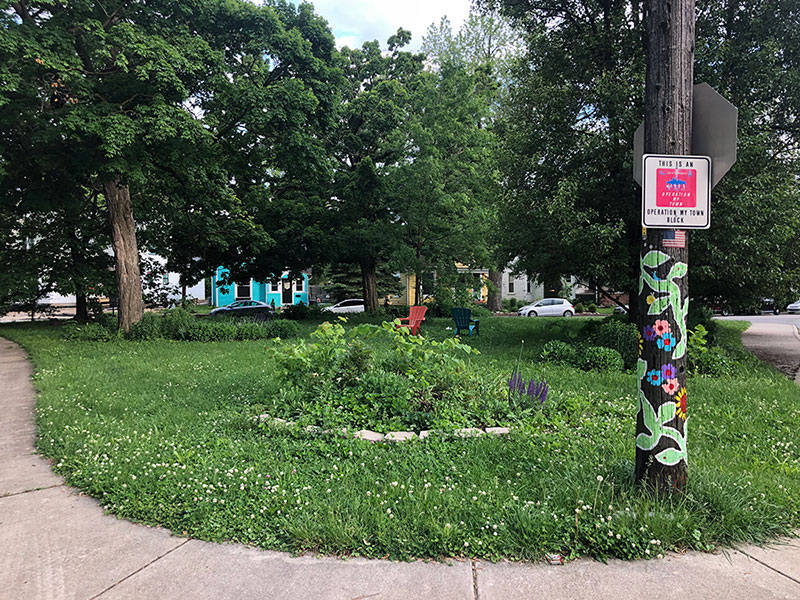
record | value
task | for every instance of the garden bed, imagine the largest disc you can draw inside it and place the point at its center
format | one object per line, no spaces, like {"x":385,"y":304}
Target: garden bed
{"x":163,"y":432}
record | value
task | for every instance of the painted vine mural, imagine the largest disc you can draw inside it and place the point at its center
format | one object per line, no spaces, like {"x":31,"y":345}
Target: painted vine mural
{"x":664,"y":294}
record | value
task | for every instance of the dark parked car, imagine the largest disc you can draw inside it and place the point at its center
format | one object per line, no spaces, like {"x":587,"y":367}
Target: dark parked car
{"x":253,"y":309}
{"x":765,"y":305}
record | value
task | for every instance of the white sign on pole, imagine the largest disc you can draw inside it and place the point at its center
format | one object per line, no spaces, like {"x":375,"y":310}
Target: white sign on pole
{"x":676,"y":192}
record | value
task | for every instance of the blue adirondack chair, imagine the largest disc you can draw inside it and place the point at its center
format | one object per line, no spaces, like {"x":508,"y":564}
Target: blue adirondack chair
{"x":463,"y":322}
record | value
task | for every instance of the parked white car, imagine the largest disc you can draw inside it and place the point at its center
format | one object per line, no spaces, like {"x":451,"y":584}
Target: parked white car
{"x":354,"y":305}
{"x":794,"y":307}
{"x":547,"y":307}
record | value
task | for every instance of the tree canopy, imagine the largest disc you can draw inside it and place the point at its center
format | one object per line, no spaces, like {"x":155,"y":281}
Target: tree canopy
{"x":568,"y":128}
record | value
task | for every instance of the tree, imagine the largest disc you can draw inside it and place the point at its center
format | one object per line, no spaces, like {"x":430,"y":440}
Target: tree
{"x":369,"y":144}
{"x":486,"y":46}
{"x":568,"y":131}
{"x":343,"y":281}
{"x":200,"y":97}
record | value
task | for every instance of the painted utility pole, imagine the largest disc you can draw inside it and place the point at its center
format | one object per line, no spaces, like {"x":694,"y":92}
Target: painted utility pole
{"x":661,"y":451}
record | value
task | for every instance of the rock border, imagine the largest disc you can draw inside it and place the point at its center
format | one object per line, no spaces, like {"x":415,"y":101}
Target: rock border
{"x":391,"y":437}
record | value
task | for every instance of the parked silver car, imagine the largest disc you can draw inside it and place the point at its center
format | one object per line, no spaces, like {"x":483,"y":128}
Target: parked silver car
{"x":794,"y":307}
{"x":547,"y":307}
{"x":353,"y":305}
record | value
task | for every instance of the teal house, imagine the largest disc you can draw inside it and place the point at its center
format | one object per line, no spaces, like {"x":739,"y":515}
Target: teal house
{"x":280,"y":291}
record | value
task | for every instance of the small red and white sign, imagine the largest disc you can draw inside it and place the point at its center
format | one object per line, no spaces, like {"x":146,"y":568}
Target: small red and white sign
{"x":676,"y":192}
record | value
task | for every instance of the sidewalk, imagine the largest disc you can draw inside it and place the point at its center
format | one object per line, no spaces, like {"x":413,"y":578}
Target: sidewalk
{"x":57,"y":543}
{"x":778,"y":345}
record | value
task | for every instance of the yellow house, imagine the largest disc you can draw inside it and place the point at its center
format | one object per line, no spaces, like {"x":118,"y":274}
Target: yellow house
{"x":407,"y":294}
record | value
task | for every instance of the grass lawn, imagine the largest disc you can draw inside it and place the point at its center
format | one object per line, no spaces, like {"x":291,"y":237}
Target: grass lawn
{"x":163,"y":432}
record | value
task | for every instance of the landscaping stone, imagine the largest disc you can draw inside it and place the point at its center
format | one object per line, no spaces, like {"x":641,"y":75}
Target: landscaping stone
{"x":498,"y":430}
{"x":468,"y":432}
{"x":371,"y":436}
{"x":423,"y":434}
{"x":399,"y":436}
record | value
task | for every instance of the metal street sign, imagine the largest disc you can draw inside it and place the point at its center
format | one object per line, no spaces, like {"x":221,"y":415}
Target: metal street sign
{"x":714,"y":123}
{"x":676,"y":192}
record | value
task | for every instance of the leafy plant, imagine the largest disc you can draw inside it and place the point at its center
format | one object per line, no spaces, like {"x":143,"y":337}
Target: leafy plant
{"x":90,"y":332}
{"x":600,"y":358}
{"x":379,"y":377}
{"x":616,"y":334}
{"x":560,"y":353}
{"x":149,"y":328}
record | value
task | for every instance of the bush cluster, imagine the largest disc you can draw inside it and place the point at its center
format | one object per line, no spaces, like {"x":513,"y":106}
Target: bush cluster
{"x":301,"y":311}
{"x":512,"y":304}
{"x":617,"y":334}
{"x":402,"y":382}
{"x":586,"y":358}
{"x":180,"y":324}
{"x":88,"y":332}
{"x":702,"y":315}
{"x":579,"y":307}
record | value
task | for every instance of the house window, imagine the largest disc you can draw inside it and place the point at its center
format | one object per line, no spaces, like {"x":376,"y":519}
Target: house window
{"x":243,"y":291}
{"x":529,"y":286}
{"x":299,"y":284}
{"x":510,"y":285}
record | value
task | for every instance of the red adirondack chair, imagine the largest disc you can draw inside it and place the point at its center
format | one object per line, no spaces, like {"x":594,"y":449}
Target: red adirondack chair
{"x":415,"y":318}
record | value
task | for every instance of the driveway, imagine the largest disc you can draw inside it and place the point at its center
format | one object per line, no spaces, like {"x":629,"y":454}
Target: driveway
{"x":775,"y":339}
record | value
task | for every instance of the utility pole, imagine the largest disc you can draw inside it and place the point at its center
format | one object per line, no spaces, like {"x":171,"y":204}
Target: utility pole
{"x":661,"y":452}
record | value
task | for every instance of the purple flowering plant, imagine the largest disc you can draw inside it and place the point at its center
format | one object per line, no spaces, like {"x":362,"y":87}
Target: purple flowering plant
{"x":520,"y":389}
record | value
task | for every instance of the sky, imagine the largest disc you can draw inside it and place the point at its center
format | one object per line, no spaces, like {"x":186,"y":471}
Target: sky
{"x":354,"y":22}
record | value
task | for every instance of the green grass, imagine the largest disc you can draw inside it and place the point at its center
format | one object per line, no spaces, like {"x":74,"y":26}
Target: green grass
{"x":163,"y":433}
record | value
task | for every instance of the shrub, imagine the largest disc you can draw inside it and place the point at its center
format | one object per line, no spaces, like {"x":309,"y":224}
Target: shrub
{"x":179,"y":324}
{"x":214,"y":331}
{"x":479,"y":311}
{"x":579,"y":307}
{"x":149,"y":328}
{"x":715,"y":361}
{"x":107,"y":320}
{"x":396,"y":310}
{"x":296,"y":312}
{"x":281,"y":329}
{"x":592,"y":308}
{"x":618,"y":335}
{"x":510,"y":304}
{"x":416,"y":383}
{"x":251,"y":330}
{"x":90,"y":332}
{"x":702,"y":315}
{"x":599,"y":358}
{"x":560,"y":353}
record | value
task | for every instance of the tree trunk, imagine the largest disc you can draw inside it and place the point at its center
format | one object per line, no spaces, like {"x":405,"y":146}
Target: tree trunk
{"x":494,"y":302}
{"x":126,"y":253}
{"x":418,"y":289}
{"x":183,"y":294}
{"x":661,"y":451}
{"x":369,"y":281}
{"x":81,"y":307}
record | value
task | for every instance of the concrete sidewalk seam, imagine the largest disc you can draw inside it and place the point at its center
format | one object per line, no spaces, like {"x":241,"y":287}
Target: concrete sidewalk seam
{"x":475,"y":579}
{"x":142,"y":568}
{"x":771,"y":568}
{"x":39,"y":489}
